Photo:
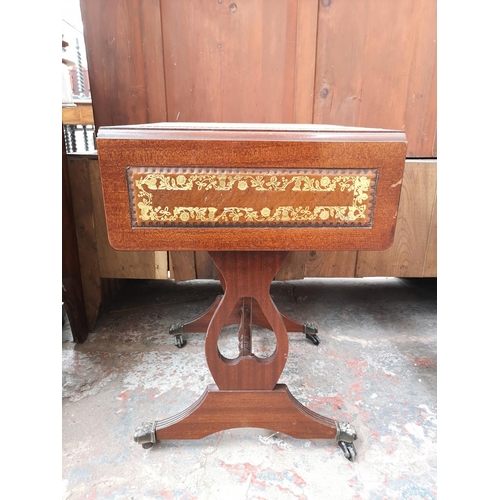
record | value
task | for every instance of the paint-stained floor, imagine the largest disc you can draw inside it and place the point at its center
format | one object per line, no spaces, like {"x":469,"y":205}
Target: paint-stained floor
{"x":375,"y":367}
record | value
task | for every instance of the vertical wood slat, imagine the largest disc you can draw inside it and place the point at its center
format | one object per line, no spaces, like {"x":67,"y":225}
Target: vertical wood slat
{"x":293,"y":267}
{"x":334,"y":264}
{"x":71,"y":279}
{"x":113,"y":39}
{"x":408,"y":254}
{"x":305,"y":63}
{"x":205,"y":268}
{"x":381,"y":71}
{"x":230,"y":62}
{"x":171,"y":273}
{"x":81,"y":193}
{"x":182,"y":265}
{"x":430,"y":264}
{"x":153,"y":57}
{"x":161,"y":265}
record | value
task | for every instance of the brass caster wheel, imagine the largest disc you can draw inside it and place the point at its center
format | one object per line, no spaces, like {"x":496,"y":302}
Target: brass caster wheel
{"x":311,"y":330}
{"x":177,"y":329}
{"x":313,"y":338}
{"x":349,"y":450}
{"x":346,"y":435}
{"x":145,"y":435}
{"x":179,"y":341}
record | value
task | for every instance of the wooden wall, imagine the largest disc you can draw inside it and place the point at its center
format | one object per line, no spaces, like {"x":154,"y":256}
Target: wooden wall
{"x":368,"y":63}
{"x":365,"y":63}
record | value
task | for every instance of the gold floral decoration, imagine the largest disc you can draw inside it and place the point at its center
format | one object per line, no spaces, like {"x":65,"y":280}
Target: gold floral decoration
{"x":359,"y":185}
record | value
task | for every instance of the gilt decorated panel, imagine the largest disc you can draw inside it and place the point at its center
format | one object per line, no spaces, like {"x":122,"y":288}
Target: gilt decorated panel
{"x":184,"y":197}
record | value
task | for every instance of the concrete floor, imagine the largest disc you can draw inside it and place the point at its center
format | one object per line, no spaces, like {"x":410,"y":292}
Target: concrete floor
{"x":375,"y":367}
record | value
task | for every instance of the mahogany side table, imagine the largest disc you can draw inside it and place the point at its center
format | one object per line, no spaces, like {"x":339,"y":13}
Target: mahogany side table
{"x":248,"y":194}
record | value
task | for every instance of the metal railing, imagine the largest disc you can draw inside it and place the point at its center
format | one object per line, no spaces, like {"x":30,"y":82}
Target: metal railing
{"x":79,"y":138}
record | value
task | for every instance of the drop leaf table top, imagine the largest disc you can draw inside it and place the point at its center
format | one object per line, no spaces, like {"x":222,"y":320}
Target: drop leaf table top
{"x":213,"y":186}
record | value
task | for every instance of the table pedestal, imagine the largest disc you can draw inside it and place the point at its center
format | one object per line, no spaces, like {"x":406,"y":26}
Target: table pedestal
{"x":247,"y":393}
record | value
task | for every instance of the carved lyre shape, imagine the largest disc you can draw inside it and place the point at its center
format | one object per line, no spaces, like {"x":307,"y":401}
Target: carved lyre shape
{"x":246,"y":275}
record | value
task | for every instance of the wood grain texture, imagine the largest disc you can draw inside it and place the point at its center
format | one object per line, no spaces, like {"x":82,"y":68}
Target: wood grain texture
{"x":305,"y":63}
{"x":200,"y":324}
{"x":298,"y":264}
{"x":113,"y":263}
{"x":161,"y":265}
{"x":205,"y":268}
{"x":115,"y":55}
{"x":182,"y":266}
{"x":81,"y":114}
{"x":381,"y":71}
{"x":293,"y":268}
{"x":83,"y":208}
{"x":246,"y":275}
{"x":364,"y":63}
{"x":277,"y":410}
{"x":72,"y":289}
{"x":132,"y":71}
{"x":407,"y":256}
{"x":154,"y":60}
{"x":225,"y":147}
{"x":230,"y":61}
{"x":327,"y":264}
{"x":430,"y":263}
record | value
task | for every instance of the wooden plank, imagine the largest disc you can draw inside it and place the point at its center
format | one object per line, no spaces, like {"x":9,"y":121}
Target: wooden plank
{"x":205,"y":268}
{"x":305,"y":63}
{"x":407,"y":256}
{"x":85,"y":231}
{"x":154,"y":72}
{"x":230,"y":61}
{"x":161,"y":265}
{"x":430,"y":265}
{"x":113,"y":263}
{"x":81,"y":114}
{"x":381,"y":71}
{"x":72,"y":288}
{"x":293,"y":267}
{"x":326,"y":264}
{"x":171,"y":273}
{"x":114,"y":47}
{"x":182,"y":266}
